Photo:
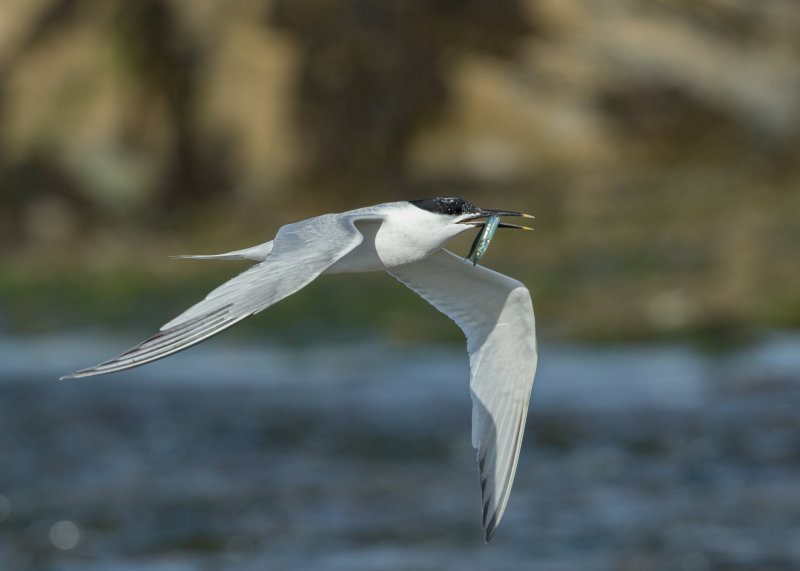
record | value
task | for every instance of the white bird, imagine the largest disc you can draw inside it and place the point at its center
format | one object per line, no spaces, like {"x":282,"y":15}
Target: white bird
{"x":405,"y":239}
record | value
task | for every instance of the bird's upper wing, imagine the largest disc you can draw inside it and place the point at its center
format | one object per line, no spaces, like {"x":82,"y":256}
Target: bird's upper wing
{"x":496,"y":314}
{"x":301,"y":252}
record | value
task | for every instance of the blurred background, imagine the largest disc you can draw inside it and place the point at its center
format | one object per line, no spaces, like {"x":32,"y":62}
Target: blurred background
{"x":658,"y":145}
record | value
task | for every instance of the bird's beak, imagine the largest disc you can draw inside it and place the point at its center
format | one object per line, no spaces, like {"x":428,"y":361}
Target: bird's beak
{"x":475,"y":219}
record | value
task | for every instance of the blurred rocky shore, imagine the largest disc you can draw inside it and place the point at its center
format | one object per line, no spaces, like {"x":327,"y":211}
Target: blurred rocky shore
{"x":656,"y":142}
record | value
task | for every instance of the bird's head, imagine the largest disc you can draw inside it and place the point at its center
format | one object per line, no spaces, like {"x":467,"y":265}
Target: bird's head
{"x":460,"y":215}
{"x":460,"y":211}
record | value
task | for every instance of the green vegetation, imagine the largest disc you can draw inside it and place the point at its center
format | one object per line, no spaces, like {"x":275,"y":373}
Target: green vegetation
{"x":651,"y":259}
{"x":125,"y":298}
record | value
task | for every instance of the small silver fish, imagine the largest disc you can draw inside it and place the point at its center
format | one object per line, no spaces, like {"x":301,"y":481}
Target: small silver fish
{"x":481,"y":242}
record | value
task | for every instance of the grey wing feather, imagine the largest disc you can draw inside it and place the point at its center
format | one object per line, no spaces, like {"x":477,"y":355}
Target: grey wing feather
{"x":300,"y":252}
{"x":496,"y":314}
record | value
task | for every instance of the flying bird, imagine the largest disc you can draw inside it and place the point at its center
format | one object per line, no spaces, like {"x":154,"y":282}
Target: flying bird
{"x":405,"y":239}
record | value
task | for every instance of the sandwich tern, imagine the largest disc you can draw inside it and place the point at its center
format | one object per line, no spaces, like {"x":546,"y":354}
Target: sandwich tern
{"x":405,"y":239}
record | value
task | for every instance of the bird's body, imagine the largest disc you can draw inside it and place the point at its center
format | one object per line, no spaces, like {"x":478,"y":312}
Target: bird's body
{"x":405,"y":239}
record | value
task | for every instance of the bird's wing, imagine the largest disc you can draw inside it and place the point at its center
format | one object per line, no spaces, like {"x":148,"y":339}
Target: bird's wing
{"x":496,"y":314}
{"x":300,"y":252}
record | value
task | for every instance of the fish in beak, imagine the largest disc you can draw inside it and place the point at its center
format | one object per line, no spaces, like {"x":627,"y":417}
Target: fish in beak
{"x":489,"y":221}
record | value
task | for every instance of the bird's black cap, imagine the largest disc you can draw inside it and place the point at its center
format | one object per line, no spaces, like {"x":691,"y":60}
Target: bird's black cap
{"x":447,"y":206}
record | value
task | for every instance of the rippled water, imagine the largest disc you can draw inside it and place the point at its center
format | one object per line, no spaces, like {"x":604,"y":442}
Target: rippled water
{"x":358,"y":457}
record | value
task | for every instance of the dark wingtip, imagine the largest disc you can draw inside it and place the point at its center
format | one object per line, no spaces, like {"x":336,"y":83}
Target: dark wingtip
{"x":490,"y":529}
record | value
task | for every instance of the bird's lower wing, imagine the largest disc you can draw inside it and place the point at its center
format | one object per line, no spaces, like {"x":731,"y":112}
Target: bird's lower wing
{"x":300,"y":253}
{"x":496,"y":314}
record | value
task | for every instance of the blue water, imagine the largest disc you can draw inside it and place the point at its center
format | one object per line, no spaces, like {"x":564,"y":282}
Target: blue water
{"x":357,"y":456}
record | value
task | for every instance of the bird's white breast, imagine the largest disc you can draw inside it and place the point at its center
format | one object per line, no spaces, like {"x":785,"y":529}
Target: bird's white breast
{"x":402,"y":234}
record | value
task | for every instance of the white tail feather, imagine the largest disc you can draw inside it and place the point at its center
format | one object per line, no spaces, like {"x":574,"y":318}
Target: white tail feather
{"x":256,"y":254}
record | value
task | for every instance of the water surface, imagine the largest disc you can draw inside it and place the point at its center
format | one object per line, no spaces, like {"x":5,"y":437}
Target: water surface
{"x":357,"y":456}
